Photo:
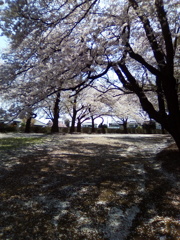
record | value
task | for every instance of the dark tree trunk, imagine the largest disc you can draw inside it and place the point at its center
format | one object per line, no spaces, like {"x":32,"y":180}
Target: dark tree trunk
{"x":102,"y":126}
{"x":79,"y":125}
{"x":28,"y":125}
{"x":174,"y":130}
{"x":177,"y":141}
{"x":103,"y":129}
{"x":162,"y":130}
{"x":93,"y":128}
{"x":125,"y":130}
{"x":161,"y":103}
{"x":28,"y":122}
{"x":55,"y":127}
{"x":72,"y":128}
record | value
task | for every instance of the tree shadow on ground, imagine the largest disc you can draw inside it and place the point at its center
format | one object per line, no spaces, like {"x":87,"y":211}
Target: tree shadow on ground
{"x":170,"y":158}
{"x":84,"y":191}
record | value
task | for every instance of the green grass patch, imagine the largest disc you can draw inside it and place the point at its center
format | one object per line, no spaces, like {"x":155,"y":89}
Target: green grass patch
{"x":13,"y":143}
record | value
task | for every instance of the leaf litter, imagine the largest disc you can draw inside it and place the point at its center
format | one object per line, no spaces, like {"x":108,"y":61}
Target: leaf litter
{"x":89,"y":187}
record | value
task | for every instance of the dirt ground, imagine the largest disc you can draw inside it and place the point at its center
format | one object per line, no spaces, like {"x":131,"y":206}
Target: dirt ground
{"x":98,"y":187}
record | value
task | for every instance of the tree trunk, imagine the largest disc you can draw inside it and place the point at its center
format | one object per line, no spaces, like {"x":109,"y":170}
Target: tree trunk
{"x":55,"y":127}
{"x":28,"y":122}
{"x":177,"y":139}
{"x":103,"y":129}
{"x":72,"y":128}
{"x":174,"y":130}
{"x":162,"y":130}
{"x":161,"y":102}
{"x":93,"y":128}
{"x":79,"y":125}
{"x":28,"y":125}
{"x":125,"y":130}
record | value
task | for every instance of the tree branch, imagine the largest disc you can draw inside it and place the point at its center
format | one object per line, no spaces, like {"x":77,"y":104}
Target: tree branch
{"x":158,"y":53}
{"x":166,"y":33}
{"x":141,"y":60}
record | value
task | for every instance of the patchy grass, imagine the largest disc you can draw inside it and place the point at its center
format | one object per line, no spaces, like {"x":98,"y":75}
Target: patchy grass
{"x":19,"y":142}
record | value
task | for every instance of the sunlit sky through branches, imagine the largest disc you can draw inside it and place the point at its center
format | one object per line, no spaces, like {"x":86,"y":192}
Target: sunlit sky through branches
{"x":3,"y":45}
{"x":3,"y":42}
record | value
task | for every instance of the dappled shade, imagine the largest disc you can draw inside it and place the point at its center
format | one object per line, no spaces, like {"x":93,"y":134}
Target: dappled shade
{"x":87,"y":187}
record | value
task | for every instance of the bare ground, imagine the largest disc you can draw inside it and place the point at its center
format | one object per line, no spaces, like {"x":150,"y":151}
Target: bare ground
{"x":99,"y":187}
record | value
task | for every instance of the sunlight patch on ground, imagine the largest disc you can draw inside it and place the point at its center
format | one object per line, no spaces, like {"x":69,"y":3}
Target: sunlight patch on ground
{"x":119,"y":222}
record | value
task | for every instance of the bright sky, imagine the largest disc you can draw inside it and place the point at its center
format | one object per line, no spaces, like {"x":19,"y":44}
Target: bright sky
{"x":3,"y":45}
{"x":3,"y":42}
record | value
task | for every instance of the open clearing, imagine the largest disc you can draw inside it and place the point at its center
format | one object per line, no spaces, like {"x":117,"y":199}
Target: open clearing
{"x":99,"y":187}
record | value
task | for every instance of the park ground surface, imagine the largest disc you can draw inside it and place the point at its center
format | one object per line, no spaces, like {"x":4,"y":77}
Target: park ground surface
{"x":99,"y":187}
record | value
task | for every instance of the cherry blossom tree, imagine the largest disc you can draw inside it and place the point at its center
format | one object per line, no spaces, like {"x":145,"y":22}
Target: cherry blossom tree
{"x":96,"y":107}
{"x":159,"y":41}
{"x":75,"y":108}
{"x":146,"y":41}
{"x":84,"y":105}
{"x":123,"y":107}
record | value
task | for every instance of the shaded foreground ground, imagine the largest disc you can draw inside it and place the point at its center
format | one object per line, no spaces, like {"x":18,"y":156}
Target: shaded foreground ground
{"x":95,"y":187}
